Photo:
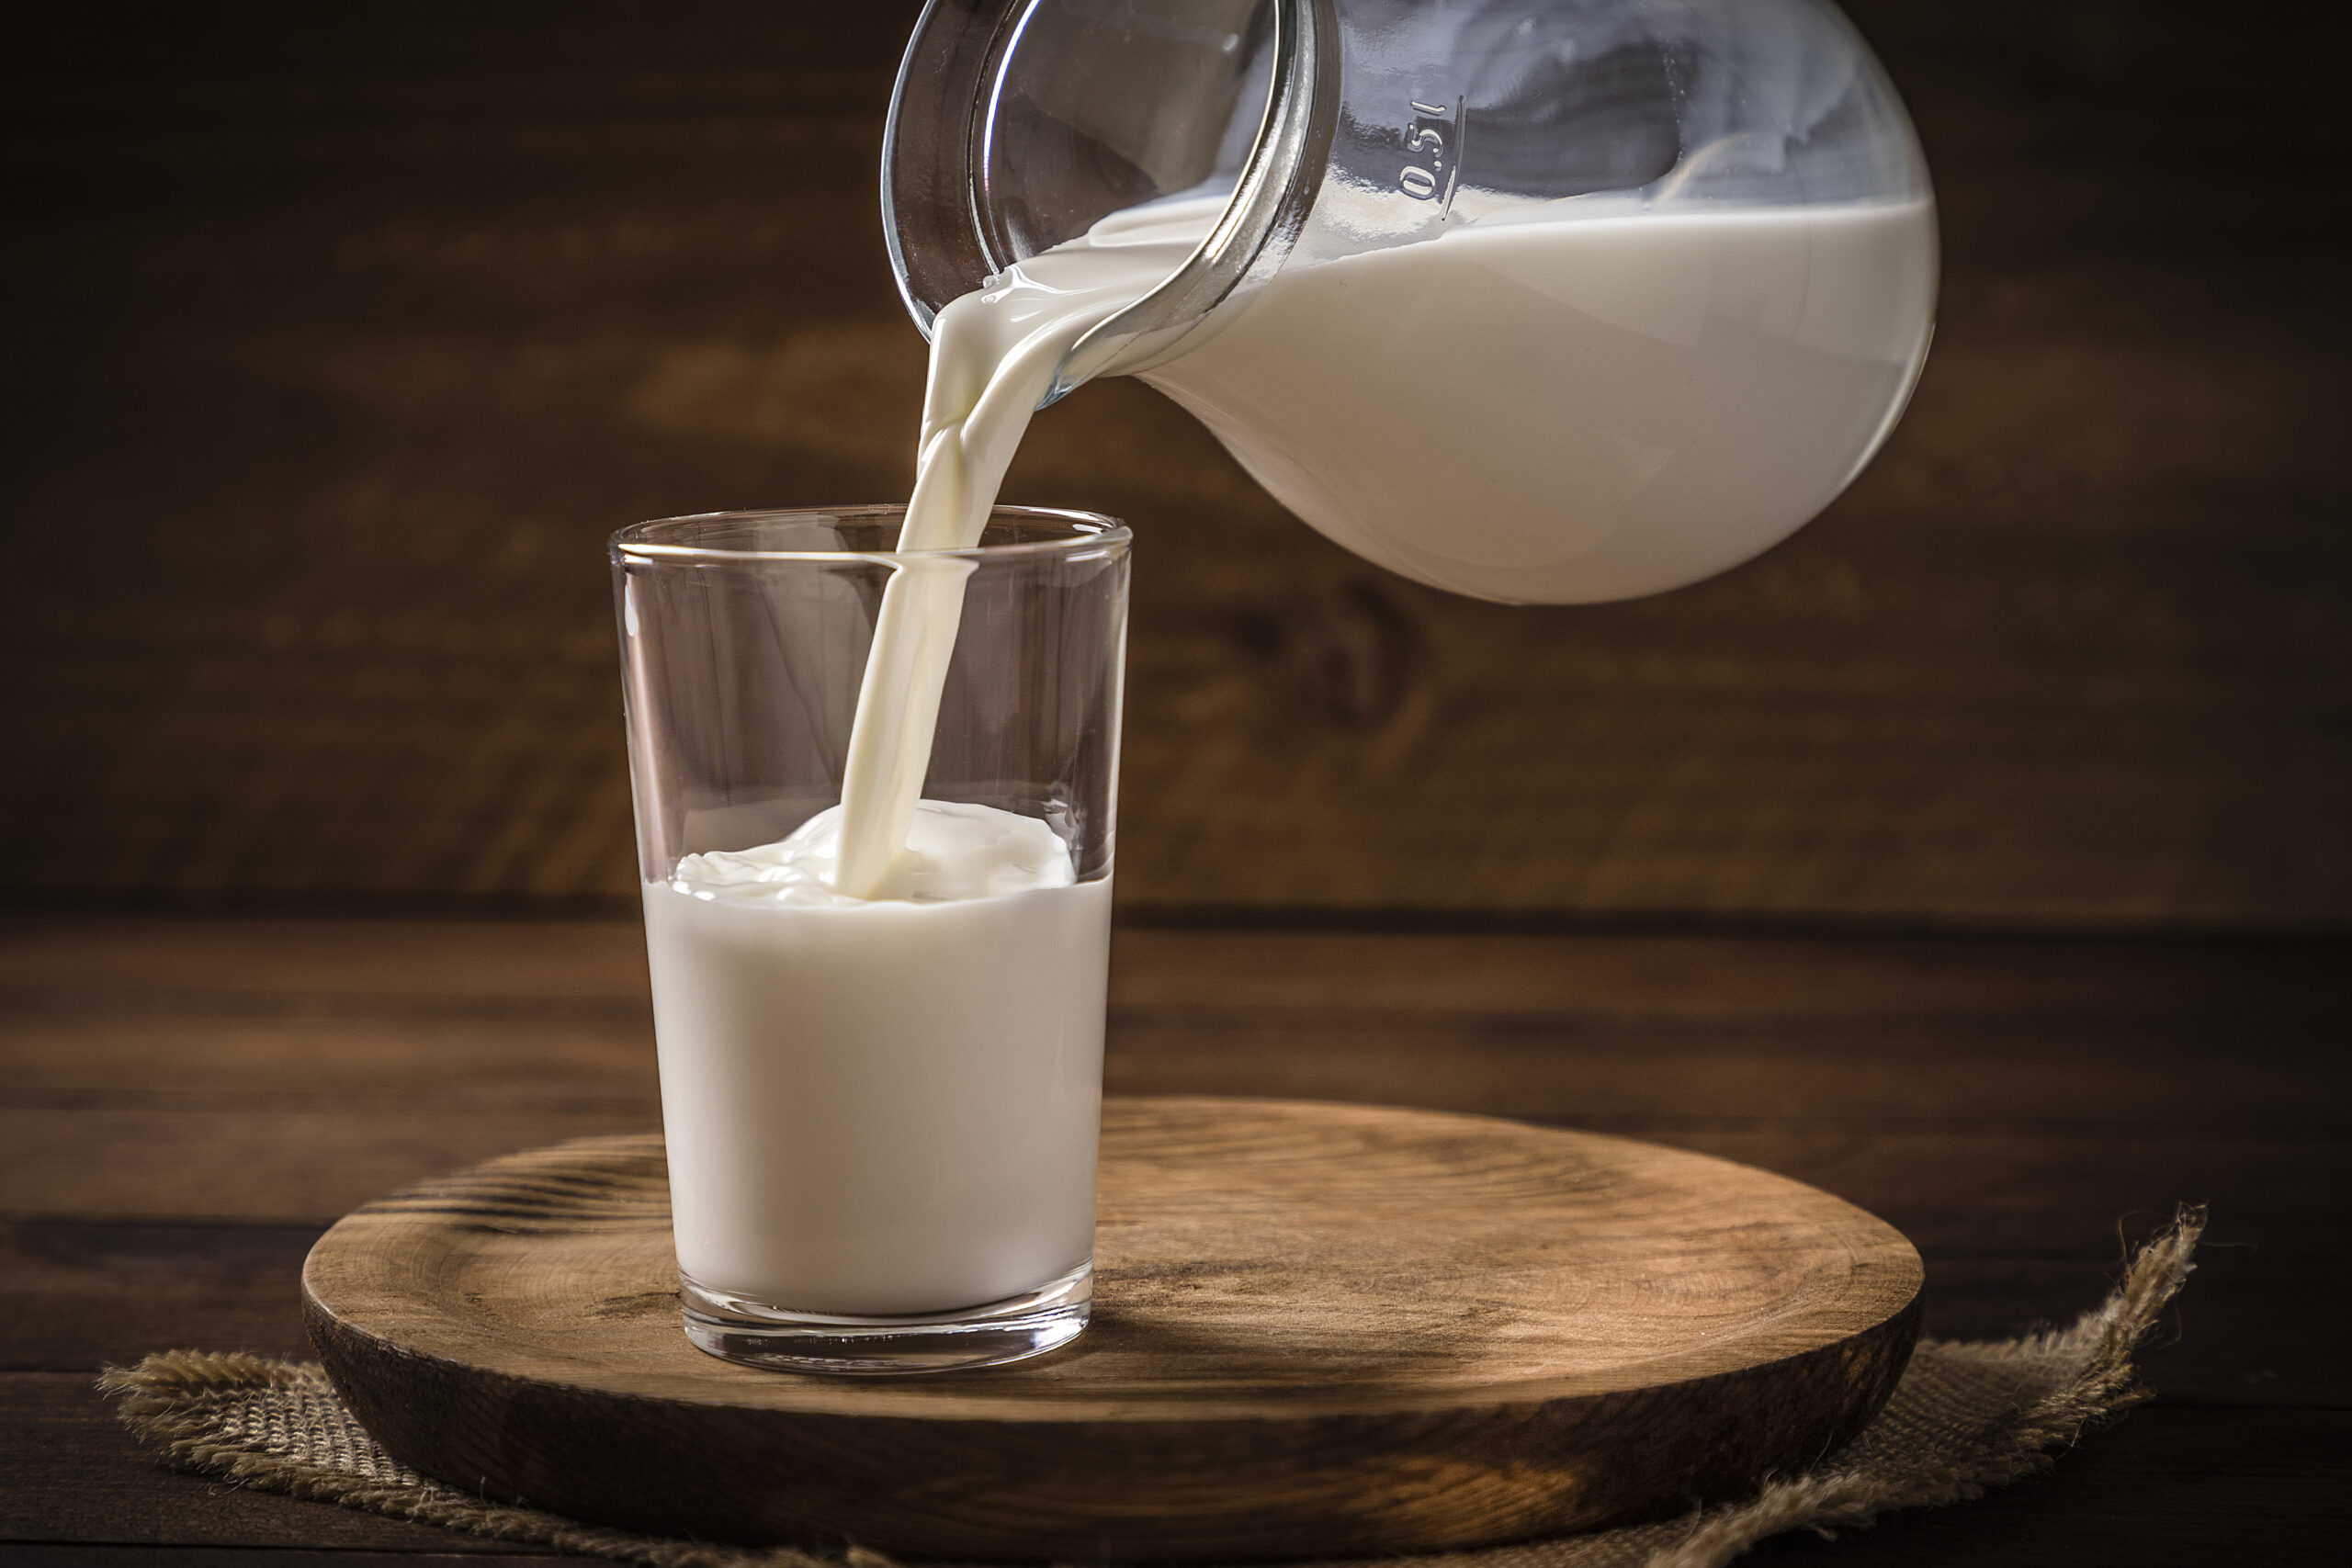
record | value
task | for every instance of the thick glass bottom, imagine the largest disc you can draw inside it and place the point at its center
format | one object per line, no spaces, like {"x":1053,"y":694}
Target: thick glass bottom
{"x":758,"y":1335}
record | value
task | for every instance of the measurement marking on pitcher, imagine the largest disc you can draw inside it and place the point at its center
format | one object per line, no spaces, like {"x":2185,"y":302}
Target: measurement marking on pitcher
{"x":1426,"y":134}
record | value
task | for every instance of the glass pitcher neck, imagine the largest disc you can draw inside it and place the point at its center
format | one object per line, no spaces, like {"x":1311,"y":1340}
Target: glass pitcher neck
{"x":1017,"y":124}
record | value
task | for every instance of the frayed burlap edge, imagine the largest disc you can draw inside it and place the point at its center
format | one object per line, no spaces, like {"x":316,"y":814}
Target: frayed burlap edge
{"x":1966,"y":1417}
{"x":178,"y":1398}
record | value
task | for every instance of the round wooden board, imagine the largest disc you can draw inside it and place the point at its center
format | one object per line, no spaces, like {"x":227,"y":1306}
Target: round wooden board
{"x":1319,"y":1330}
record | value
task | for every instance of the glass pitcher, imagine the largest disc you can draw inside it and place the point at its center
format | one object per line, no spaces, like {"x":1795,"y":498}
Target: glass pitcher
{"x":1537,"y":300}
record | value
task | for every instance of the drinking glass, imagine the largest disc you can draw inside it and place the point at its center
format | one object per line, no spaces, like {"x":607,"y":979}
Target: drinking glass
{"x":881,"y":1115}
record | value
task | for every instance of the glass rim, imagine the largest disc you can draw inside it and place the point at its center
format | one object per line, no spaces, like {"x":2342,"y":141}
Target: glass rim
{"x":1089,"y":530}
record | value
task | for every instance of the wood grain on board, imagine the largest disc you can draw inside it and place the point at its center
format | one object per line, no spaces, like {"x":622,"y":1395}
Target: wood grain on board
{"x":344,"y":340}
{"x":1318,"y":1329}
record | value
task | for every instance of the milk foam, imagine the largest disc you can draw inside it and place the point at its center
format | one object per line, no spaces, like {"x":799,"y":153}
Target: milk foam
{"x":953,"y":851}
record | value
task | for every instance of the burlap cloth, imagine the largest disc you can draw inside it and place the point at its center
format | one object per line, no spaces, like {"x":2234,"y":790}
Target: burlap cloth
{"x":1965,"y":1418}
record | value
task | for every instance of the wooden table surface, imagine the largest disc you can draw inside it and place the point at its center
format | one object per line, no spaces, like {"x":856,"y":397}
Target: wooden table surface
{"x":186,"y":1104}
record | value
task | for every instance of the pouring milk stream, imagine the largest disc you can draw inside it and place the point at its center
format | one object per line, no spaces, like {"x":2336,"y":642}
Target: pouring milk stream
{"x":1669,"y":317}
{"x":1543,"y":300}
{"x":1616,"y":311}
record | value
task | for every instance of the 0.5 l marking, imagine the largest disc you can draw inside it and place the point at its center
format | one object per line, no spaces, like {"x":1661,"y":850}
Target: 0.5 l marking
{"x":1434,"y":135}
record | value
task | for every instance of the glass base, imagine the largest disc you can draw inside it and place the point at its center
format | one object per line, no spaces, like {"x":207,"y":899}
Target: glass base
{"x":758,"y":1335}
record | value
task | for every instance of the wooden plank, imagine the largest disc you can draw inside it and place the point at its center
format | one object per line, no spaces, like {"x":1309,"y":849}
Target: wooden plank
{"x":185,"y":1059}
{"x":57,"y":1554}
{"x":74,"y":1297}
{"x":2163,"y":1486}
{"x":244,"y":967}
{"x":2045,"y":1073}
{"x":69,"y":1472}
{"x":2247,"y":1333}
{"x":1702,"y":976}
{"x":96,"y":963}
{"x":1621,"y":1073}
{"x":1554,"y":1025}
{"x":1848,"y":1048}
{"x":293,"y":1167}
{"x":2005,"y":1103}
{"x":2243,"y":1335}
{"x":1993,"y":1191}
{"x":2003,"y":1193}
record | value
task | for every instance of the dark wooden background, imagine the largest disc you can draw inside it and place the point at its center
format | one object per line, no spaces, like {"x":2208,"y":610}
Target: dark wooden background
{"x":1982,"y":856}
{"x":341,"y":335}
